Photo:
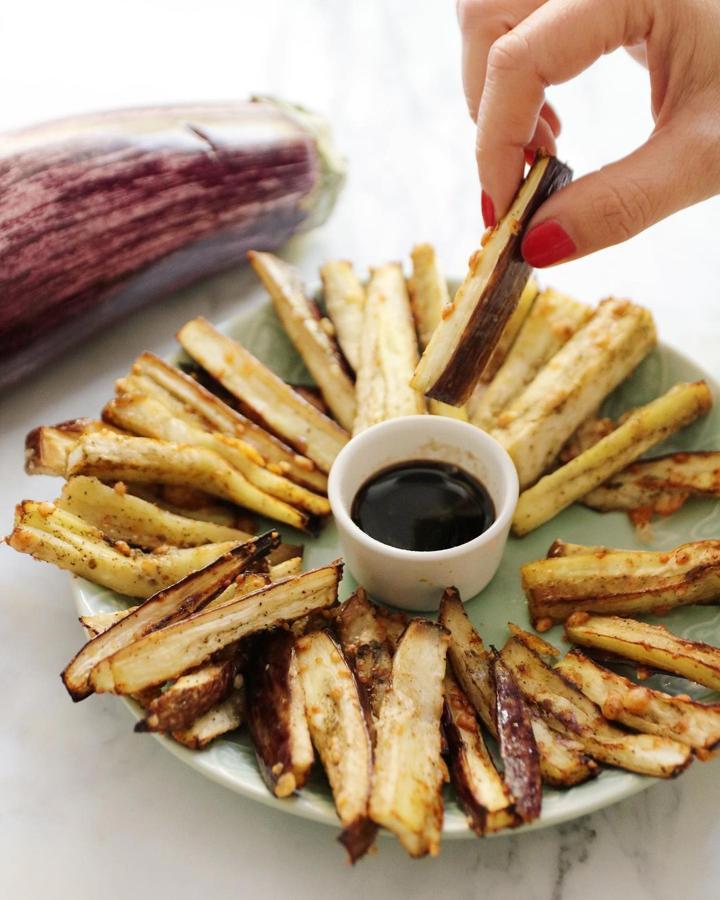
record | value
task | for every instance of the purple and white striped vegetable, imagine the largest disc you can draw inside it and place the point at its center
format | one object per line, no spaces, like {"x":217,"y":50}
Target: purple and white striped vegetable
{"x":102,"y":213}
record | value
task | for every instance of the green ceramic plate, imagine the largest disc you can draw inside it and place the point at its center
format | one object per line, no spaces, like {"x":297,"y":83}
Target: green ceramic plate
{"x":231,"y":761}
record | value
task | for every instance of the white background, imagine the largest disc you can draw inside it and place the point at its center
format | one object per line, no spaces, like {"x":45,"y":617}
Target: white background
{"x":89,"y":809}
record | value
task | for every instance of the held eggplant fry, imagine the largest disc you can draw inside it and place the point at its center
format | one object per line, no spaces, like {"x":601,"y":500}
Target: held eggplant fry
{"x":621,"y":581}
{"x":310,"y":333}
{"x":645,"y":427}
{"x":276,"y":713}
{"x":366,"y":647}
{"x":123,"y":517}
{"x":57,"y":537}
{"x":345,"y":304}
{"x":130,"y":458}
{"x":550,"y":324}
{"x":651,"y":645}
{"x":48,"y":446}
{"x":388,"y":352}
{"x":511,"y":330}
{"x":518,"y":748}
{"x":482,"y":793}
{"x":144,"y":416}
{"x":202,"y":407}
{"x":573,"y":384}
{"x":339,"y":732}
{"x":268,"y":398}
{"x":570,"y":711}
{"x":642,"y":708}
{"x":470,"y":328}
{"x":173,"y":650}
{"x":179,"y":600}
{"x":406,"y":795}
{"x":428,"y":293}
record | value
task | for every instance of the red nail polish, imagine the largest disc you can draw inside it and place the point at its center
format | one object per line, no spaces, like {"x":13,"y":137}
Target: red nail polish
{"x":547,"y":243}
{"x":488,"y":210}
{"x":529,"y":156}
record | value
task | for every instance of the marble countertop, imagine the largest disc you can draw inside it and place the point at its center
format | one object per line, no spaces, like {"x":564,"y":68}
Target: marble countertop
{"x":88,"y":807}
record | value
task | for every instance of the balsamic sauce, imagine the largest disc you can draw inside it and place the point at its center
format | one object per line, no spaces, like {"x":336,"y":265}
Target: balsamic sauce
{"x":423,"y":505}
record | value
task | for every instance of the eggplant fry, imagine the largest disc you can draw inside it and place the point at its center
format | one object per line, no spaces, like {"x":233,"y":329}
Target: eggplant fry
{"x":47,"y":447}
{"x":510,"y":332}
{"x":518,"y":748}
{"x":388,"y":352}
{"x":367,"y":649}
{"x":55,"y":536}
{"x":345,"y":304}
{"x":275,"y":404}
{"x":339,"y":732}
{"x":190,"y":697}
{"x":428,"y":293}
{"x":552,"y":321}
{"x":622,"y":581}
{"x":176,"y":602}
{"x":645,"y":427}
{"x":470,"y":328}
{"x":142,"y":415}
{"x":651,"y":645}
{"x":311,"y":334}
{"x":586,"y":436}
{"x":222,"y":718}
{"x":171,"y":651}
{"x":406,"y":795}
{"x":563,"y":761}
{"x":276,"y":713}
{"x":642,"y":708}
{"x":482,"y":793}
{"x":573,"y":384}
{"x":95,"y":623}
{"x":123,"y":517}
{"x":570,"y":711}
{"x":203,"y":408}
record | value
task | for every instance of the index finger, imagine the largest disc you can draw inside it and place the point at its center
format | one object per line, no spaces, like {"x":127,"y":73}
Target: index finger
{"x":553,"y":44}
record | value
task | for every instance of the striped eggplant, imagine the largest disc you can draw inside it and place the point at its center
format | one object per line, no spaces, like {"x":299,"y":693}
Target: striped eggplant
{"x":102,"y":213}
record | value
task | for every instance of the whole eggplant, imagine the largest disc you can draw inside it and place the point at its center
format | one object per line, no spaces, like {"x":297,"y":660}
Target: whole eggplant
{"x":102,"y":213}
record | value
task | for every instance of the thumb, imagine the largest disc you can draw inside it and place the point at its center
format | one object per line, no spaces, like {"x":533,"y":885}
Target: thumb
{"x":620,"y":200}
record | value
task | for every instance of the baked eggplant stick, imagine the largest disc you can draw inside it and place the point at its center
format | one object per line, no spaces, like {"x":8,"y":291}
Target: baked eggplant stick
{"x":311,"y":334}
{"x":344,"y":298}
{"x":276,"y":716}
{"x":567,"y":709}
{"x":510,"y":331}
{"x":176,"y":602}
{"x":651,"y":645}
{"x":265,"y":396}
{"x":406,"y":795}
{"x":644,"y":428}
{"x":169,"y":652}
{"x":339,"y":732}
{"x":621,"y":581}
{"x":470,"y":328}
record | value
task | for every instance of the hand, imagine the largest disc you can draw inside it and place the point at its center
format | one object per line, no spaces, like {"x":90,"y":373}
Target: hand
{"x":514,"y":49}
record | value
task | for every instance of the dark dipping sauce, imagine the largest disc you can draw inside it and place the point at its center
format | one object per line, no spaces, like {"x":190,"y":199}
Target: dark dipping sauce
{"x":423,"y":505}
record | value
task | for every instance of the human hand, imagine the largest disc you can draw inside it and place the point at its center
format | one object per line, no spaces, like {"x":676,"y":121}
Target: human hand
{"x":514,"y":49}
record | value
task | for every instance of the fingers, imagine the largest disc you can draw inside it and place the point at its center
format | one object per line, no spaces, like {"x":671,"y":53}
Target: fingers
{"x":555,"y":42}
{"x":620,"y":200}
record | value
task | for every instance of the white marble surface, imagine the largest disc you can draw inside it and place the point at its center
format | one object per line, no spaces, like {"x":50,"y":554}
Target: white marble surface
{"x":90,"y":809}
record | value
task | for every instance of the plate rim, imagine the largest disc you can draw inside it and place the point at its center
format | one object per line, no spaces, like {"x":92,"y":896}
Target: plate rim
{"x":627,"y":785}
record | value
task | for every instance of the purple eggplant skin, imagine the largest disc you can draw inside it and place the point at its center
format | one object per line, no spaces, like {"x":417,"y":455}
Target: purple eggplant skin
{"x":518,"y":749}
{"x":271,"y":680}
{"x":104,"y":213}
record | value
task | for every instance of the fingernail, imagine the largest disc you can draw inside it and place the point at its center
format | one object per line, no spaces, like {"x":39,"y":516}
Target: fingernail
{"x":488,"y":210}
{"x":547,"y":243}
{"x":529,"y":157}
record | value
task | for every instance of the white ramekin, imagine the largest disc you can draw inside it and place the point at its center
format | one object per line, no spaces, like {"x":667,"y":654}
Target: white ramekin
{"x":413,"y":579}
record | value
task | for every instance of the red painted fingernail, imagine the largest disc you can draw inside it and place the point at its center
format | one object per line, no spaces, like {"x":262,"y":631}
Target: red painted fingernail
{"x":547,"y":243}
{"x":488,"y":210}
{"x":529,"y":157}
